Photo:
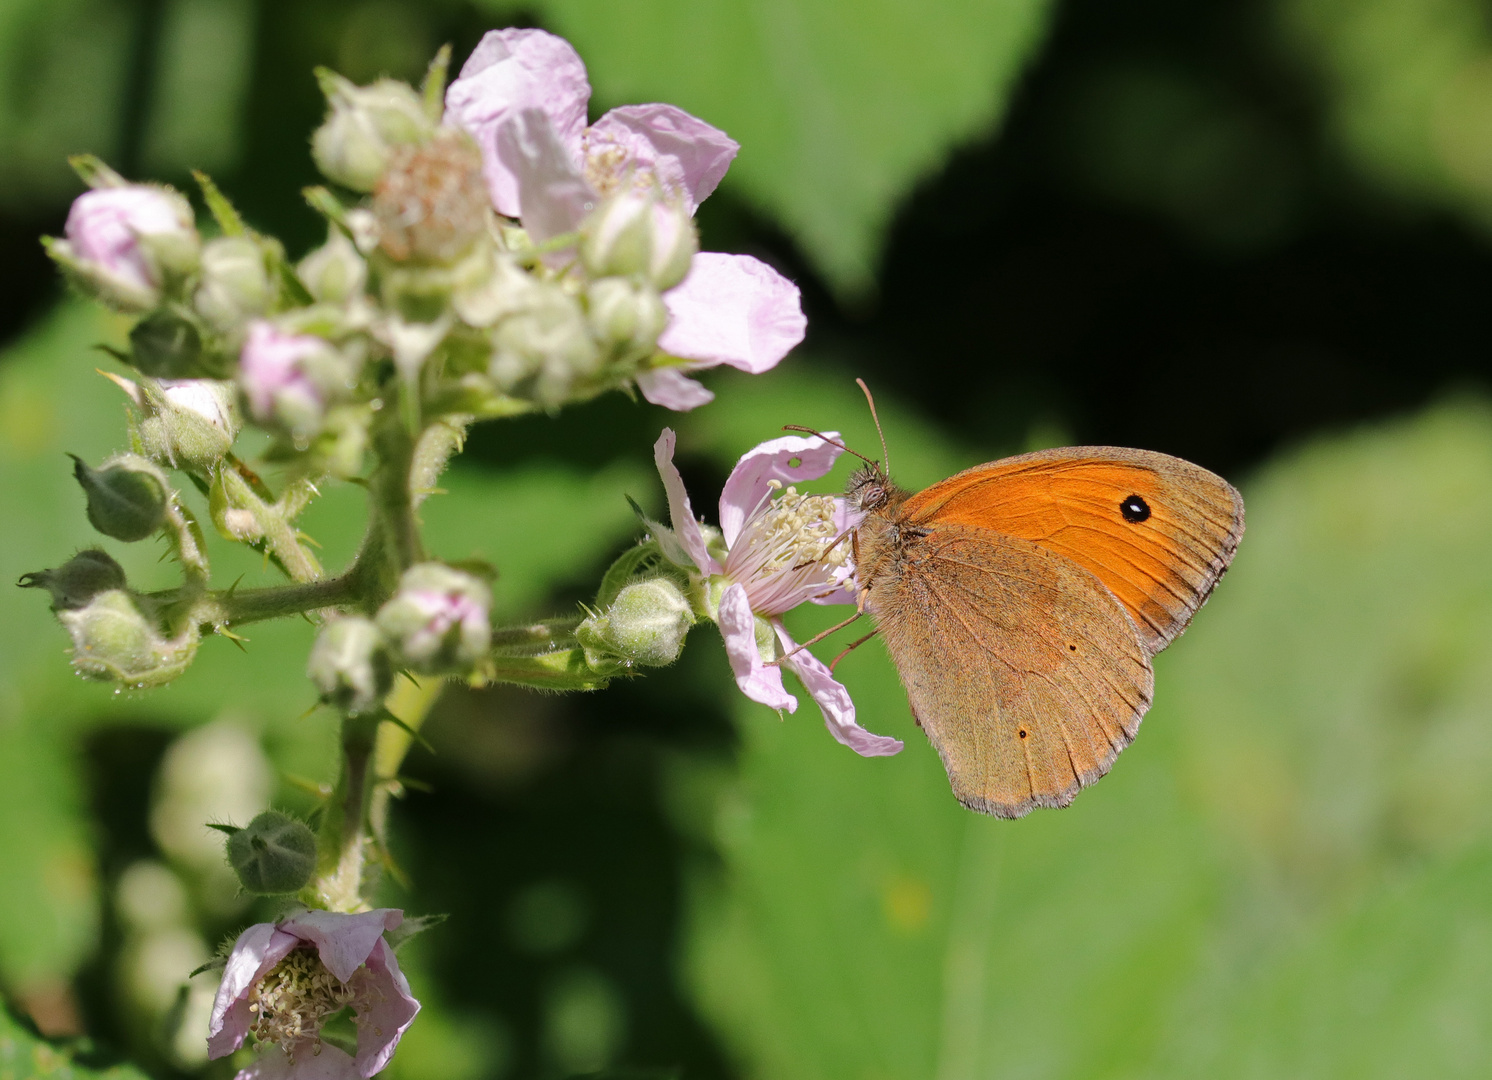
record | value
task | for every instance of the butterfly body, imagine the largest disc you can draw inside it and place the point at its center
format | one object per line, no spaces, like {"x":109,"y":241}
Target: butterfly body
{"x":1022,"y":602}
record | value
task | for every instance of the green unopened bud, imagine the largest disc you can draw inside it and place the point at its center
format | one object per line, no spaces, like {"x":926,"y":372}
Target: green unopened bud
{"x":437,"y":621}
{"x":334,"y":272}
{"x":185,"y":421}
{"x":350,"y":665}
{"x":116,"y":639}
{"x":166,"y":345}
{"x":625,"y":315}
{"x":636,"y":234}
{"x":236,"y":284}
{"x":273,"y":855}
{"x":363,"y":126}
{"x":545,"y":349}
{"x":78,"y":580}
{"x":646,"y":625}
{"x":126,"y":496}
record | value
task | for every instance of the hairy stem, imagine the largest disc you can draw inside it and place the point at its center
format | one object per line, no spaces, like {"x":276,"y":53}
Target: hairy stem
{"x":394,"y":533}
{"x":432,"y":453}
{"x":339,"y":881}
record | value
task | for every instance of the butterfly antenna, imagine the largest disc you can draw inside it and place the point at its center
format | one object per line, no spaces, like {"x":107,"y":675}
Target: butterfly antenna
{"x":831,"y":442}
{"x":885,"y":454}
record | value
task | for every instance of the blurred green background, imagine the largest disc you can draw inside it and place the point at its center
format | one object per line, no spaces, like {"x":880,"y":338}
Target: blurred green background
{"x":1256,"y":233}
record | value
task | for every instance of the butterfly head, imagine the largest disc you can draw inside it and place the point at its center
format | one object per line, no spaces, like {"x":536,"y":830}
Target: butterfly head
{"x":869,"y":489}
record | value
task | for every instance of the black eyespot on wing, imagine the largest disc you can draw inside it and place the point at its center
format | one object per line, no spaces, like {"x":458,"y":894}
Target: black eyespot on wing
{"x":1134,"y":509}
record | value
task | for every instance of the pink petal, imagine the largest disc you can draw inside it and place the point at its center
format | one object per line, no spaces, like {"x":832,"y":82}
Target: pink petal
{"x":344,"y":941}
{"x":257,"y":949}
{"x":552,"y":195}
{"x":733,"y":309}
{"x":380,"y":1027}
{"x":756,"y":680}
{"x":672,"y":389}
{"x":686,"y":154}
{"x":272,"y":1064}
{"x":749,"y":481}
{"x":680,"y":514}
{"x":834,"y":702}
{"x":511,"y":70}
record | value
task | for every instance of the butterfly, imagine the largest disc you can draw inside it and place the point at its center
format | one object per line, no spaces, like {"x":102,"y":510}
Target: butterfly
{"x":1023,"y":600}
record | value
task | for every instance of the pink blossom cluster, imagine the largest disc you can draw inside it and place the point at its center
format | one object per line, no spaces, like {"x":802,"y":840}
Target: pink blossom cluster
{"x":523,"y":96}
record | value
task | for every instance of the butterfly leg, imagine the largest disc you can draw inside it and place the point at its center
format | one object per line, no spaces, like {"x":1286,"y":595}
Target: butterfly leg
{"x":851,"y":647}
{"x":815,"y":639}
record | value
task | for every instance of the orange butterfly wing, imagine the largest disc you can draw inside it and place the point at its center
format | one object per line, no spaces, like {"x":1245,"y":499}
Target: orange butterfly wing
{"x":1156,"y":530}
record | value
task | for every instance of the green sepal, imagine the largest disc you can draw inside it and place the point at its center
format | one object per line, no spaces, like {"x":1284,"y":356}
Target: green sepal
{"x":223,"y":211}
{"x":564,"y":669}
{"x":433,"y":88}
{"x":411,"y":926}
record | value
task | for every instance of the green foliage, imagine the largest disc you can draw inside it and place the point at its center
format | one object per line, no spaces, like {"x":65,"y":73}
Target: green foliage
{"x":1285,"y":875}
{"x":1406,"y":87}
{"x":840,"y":106}
{"x":24,"y":1055}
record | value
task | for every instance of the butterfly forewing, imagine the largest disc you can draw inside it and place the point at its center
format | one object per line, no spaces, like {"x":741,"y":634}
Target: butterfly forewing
{"x":1024,"y":670}
{"x":1156,"y":530}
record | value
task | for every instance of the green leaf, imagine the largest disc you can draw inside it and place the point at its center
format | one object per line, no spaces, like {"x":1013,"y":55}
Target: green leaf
{"x":1397,"y":988}
{"x":1406,"y":87}
{"x":25,"y":1054}
{"x":840,"y":106}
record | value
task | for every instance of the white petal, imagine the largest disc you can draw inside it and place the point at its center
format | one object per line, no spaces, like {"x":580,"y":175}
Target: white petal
{"x":672,"y":389}
{"x":756,"y":680}
{"x":834,"y":702}
{"x":733,"y":309}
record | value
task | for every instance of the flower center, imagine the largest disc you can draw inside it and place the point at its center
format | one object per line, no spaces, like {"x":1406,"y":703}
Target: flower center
{"x":786,"y":551}
{"x":609,"y":165}
{"x":294,"y":1000}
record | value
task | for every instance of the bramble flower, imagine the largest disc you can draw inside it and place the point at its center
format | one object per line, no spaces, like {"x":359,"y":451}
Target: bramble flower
{"x":522,"y":96}
{"x":284,"y":980}
{"x":782,"y":549}
{"x":121,"y":241}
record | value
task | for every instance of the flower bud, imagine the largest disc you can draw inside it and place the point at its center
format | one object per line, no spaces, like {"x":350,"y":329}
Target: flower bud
{"x":437,"y":620}
{"x":78,"y":580}
{"x":646,"y":624}
{"x":288,"y":380}
{"x":166,"y":345}
{"x":188,"y":421}
{"x":236,"y":283}
{"x":273,"y":855}
{"x":626,"y":315}
{"x":544,"y":349}
{"x":122,"y":244}
{"x":115,"y":640}
{"x":364,"y":124}
{"x":334,"y":272}
{"x":634,"y":233}
{"x":126,"y":496}
{"x":350,"y":665}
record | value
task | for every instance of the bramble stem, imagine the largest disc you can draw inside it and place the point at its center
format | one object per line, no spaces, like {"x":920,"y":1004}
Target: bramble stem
{"x":339,"y":883}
